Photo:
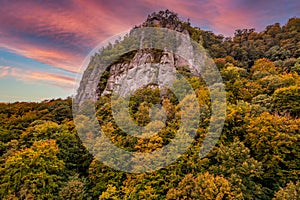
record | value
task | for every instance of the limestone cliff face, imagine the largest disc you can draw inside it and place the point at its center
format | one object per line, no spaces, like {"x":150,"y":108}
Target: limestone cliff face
{"x":146,"y":67}
{"x":142,"y":71}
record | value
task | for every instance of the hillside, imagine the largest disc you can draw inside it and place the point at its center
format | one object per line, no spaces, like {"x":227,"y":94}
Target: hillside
{"x":43,"y":155}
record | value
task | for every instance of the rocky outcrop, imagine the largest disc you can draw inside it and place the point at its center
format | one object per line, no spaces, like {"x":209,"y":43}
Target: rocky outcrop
{"x":141,"y":71}
{"x":146,"y":67}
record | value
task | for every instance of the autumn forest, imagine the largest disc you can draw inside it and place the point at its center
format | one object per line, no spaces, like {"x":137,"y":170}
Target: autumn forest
{"x":256,"y":157}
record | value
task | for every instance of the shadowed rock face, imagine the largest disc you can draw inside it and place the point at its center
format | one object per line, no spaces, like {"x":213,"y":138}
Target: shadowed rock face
{"x":141,"y":71}
{"x":147,"y":67}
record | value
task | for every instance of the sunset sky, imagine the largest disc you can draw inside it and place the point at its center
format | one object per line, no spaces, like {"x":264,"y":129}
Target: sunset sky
{"x":43,"y":43}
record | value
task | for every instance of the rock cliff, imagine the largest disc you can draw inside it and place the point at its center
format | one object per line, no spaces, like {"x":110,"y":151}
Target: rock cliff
{"x":144,"y":67}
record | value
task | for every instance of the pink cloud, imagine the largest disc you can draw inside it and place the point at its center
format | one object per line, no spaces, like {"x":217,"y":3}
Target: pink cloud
{"x":223,"y":17}
{"x":4,"y":71}
{"x":62,"y":81}
{"x":55,"y":57}
{"x":61,"y":38}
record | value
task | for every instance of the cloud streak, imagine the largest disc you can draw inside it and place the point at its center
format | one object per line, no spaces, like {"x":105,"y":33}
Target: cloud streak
{"x":65,"y":82}
{"x":4,"y":71}
{"x":56,"y":36}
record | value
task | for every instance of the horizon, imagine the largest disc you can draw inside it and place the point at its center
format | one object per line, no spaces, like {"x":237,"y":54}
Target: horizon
{"x":43,"y":45}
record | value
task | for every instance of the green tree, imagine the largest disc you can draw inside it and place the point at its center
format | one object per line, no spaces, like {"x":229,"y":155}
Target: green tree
{"x":72,"y":152}
{"x":290,"y":192}
{"x":74,"y":189}
{"x":102,"y":177}
{"x":263,"y":67}
{"x":287,"y":100}
{"x":203,"y":186}
{"x":111,"y":193}
{"x":273,"y":141}
{"x":33,"y":172}
{"x":235,"y":163}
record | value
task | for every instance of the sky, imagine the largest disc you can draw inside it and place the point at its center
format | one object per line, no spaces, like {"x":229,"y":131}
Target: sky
{"x":44,"y":43}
